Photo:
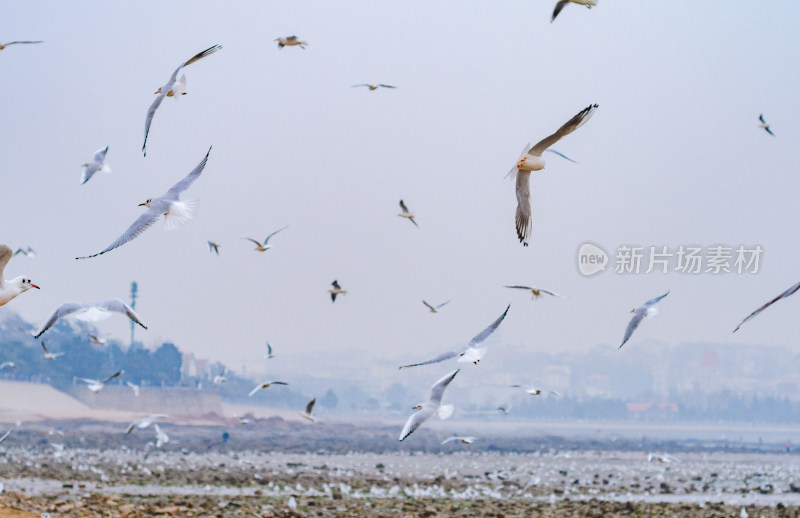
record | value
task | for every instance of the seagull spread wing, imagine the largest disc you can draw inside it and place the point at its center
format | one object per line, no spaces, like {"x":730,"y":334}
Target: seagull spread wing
{"x":761,"y":118}
{"x":655,"y":300}
{"x":310,"y":406}
{"x":100,"y":154}
{"x":142,"y":223}
{"x":483,"y":335}
{"x":633,"y":324}
{"x":20,"y":43}
{"x":175,"y":191}
{"x":574,"y":123}
{"x":5,"y":255}
{"x":769,"y":131}
{"x":429,"y":407}
{"x":403,"y":207}
{"x":269,"y":236}
{"x":519,"y":287}
{"x":559,"y":6}
{"x":562,"y":155}
{"x":63,"y":310}
{"x":783,"y":295}
{"x":386,"y":86}
{"x":442,"y":304}
{"x":428,"y":305}
{"x":523,"y":216}
{"x":115,"y":375}
{"x":416,"y":419}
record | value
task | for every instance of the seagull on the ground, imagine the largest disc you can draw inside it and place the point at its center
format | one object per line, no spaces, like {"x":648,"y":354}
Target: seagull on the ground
{"x":435,"y":309}
{"x":97,"y":165}
{"x":91,"y":312}
{"x":133,"y":387}
{"x":536,"y":292}
{"x":48,"y":355}
{"x":290,"y":41}
{"x":264,"y":385}
{"x":790,"y":291}
{"x":169,"y":204}
{"x":466,"y":353}
{"x":213,"y":247}
{"x":337,"y":290}
{"x":463,"y":439}
{"x":10,"y":365}
{"x":171,"y":89}
{"x":269,"y":354}
{"x":372,"y":88}
{"x":536,"y":391}
{"x":97,"y":385}
{"x":560,"y":5}
{"x":143,"y":423}
{"x":406,"y":214}
{"x":10,"y":288}
{"x":648,"y":309}
{"x":309,"y":410}
{"x":5,"y":435}
{"x":221,"y":378}
{"x":96,"y":340}
{"x":265,"y":246}
{"x":432,"y":406}
{"x":161,"y":437}
{"x":4,"y":45}
{"x":28,"y":252}
{"x":531,"y":160}
{"x":663,"y":458}
{"x":764,"y":125}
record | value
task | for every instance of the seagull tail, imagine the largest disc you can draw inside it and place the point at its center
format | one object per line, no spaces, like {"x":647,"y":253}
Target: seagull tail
{"x":180,"y":212}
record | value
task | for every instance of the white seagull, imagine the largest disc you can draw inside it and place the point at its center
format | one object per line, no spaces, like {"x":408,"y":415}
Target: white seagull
{"x":290,"y":41}
{"x":10,"y":365}
{"x":133,"y":387}
{"x":96,"y":165}
{"x":460,"y":438}
{"x":172,"y":89}
{"x":10,"y":288}
{"x":48,"y":355}
{"x":97,"y":385}
{"x":648,"y":309}
{"x":91,"y":312}
{"x":141,"y":424}
{"x":264,"y":385}
{"x":266,"y":246}
{"x":309,"y":410}
{"x":470,"y":352}
{"x":96,"y":340}
{"x":531,"y":160}
{"x":337,"y":290}
{"x":161,"y":437}
{"x":435,"y":309}
{"x":28,"y":252}
{"x":790,"y":291}
{"x":169,"y":204}
{"x":406,"y":214}
{"x":536,"y":292}
{"x":432,"y":406}
{"x":372,"y":88}
{"x":560,"y":5}
{"x":536,"y":391}
{"x":764,"y":125}
{"x":4,"y":45}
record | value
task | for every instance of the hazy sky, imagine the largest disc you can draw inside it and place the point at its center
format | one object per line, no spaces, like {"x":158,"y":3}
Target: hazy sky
{"x":673,"y":156}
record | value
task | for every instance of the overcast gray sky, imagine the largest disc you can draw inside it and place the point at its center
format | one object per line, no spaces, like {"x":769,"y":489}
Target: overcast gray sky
{"x":673,"y":156}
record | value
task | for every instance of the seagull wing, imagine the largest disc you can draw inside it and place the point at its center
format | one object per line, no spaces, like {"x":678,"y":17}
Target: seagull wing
{"x":115,"y":375}
{"x":387,"y":86}
{"x":5,"y":255}
{"x":89,"y":172}
{"x":655,"y":300}
{"x":761,"y":118}
{"x":175,"y":191}
{"x":519,"y":287}
{"x":442,"y":304}
{"x":118,"y":306}
{"x":141,"y":224}
{"x":632,"y":325}
{"x":428,"y":305}
{"x":442,"y":357}
{"x":552,"y":293}
{"x":44,"y":347}
{"x":403,"y":207}
{"x":256,"y":389}
{"x":269,"y":349}
{"x":437,"y":389}
{"x":253,"y":241}
{"x":151,"y":111}
{"x":416,"y":419}
{"x":335,"y":284}
{"x":21,"y":42}
{"x":769,"y":131}
{"x":196,"y":57}
{"x":63,"y":310}
{"x":783,"y":295}
{"x":100,"y":154}
{"x":310,"y":406}
{"x":574,"y":123}
{"x":483,"y":335}
{"x":562,"y":155}
{"x":453,"y":438}
{"x":522,"y":219}
{"x":269,"y":236}
{"x":559,"y":6}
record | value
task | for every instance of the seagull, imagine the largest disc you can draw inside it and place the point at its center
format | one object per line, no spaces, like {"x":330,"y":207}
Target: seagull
{"x":435,"y":309}
{"x":372,"y":88}
{"x":133,"y":387}
{"x":28,"y":252}
{"x":432,"y":406}
{"x":664,"y":459}
{"x":560,"y":5}
{"x":648,"y":309}
{"x":171,"y":89}
{"x":175,"y":212}
{"x":460,"y":438}
{"x":244,"y":420}
{"x":48,"y":355}
{"x":536,"y":391}
{"x":98,"y":341}
{"x":213,"y":247}
{"x":407,"y":214}
{"x":469,"y":352}
{"x":504,"y":409}
{"x":309,"y":409}
{"x":96,"y":386}
{"x":290,"y":41}
{"x":783,"y":295}
{"x":5,"y":435}
{"x":91,"y":312}
{"x":10,"y":365}
{"x":337,"y":290}
{"x":764,"y":125}
{"x":220,"y":378}
{"x":4,"y":45}
{"x":269,"y":354}
{"x":537,"y":292}
{"x":12,"y":287}
{"x":264,"y":385}
{"x":531,"y":160}
{"x":96,"y":165}
{"x":161,"y":437}
{"x":265,"y":246}
{"x":141,"y":424}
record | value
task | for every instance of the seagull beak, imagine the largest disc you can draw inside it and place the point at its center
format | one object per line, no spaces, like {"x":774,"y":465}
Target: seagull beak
{"x":35,"y":286}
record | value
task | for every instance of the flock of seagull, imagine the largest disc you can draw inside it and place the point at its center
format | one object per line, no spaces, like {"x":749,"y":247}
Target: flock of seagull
{"x":177,"y":211}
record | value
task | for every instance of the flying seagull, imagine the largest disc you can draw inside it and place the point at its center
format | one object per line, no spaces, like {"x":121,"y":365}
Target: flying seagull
{"x":372,"y":88}
{"x":10,"y":365}
{"x":97,"y":385}
{"x":4,"y":45}
{"x":406,"y":214}
{"x":290,"y":41}
{"x":460,"y":438}
{"x":98,"y":341}
{"x":170,"y":89}
{"x":134,"y":387}
{"x":91,"y":312}
{"x":264,"y":385}
{"x":783,"y":295}
{"x":141,"y":424}
{"x":48,"y":355}
{"x":213,"y":247}
{"x":537,"y":292}
{"x":432,"y":406}
{"x":435,"y":309}
{"x":309,"y":409}
{"x":161,"y":437}
{"x":471,"y":351}
{"x":531,"y":160}
{"x":96,"y":165}
{"x":337,"y":290}
{"x":560,"y":5}
{"x":648,"y":309}
{"x":269,"y":354}
{"x":12,"y":287}
{"x":169,"y":204}
{"x":266,"y":246}
{"x":764,"y":125}
{"x":28,"y":252}
{"x":536,"y":391}
{"x":505,"y":409}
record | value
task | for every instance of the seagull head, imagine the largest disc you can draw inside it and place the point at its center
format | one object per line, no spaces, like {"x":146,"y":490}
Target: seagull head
{"x":147,"y":203}
{"x":24,"y":283}
{"x":418,"y":407}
